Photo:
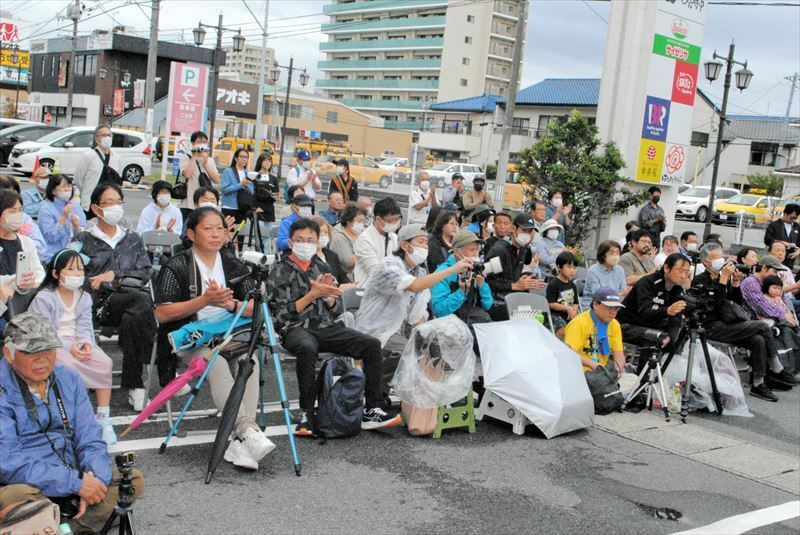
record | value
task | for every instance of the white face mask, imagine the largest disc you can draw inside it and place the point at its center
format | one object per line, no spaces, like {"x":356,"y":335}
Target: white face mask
{"x":490,"y":227}
{"x":113,"y":214}
{"x":105,"y":142}
{"x":523,"y":239}
{"x":208,"y":205}
{"x":358,"y":227}
{"x":72,"y":282}
{"x":12,"y":221}
{"x":42,"y":183}
{"x":390,"y":227}
{"x":612,"y":260}
{"x":717,"y":264}
{"x":304,"y":212}
{"x":691,"y":247}
{"x":557,"y":202}
{"x":64,"y":195}
{"x":163,"y":199}
{"x":419,"y":256}
{"x":274,"y":170}
{"x":340,"y":169}
{"x":424,"y":185}
{"x":306,"y":164}
{"x":304,"y":251}
{"x":324,"y":241}
{"x":551,"y":234}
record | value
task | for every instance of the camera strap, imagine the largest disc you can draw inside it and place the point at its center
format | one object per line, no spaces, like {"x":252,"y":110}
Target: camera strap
{"x":192,"y":276}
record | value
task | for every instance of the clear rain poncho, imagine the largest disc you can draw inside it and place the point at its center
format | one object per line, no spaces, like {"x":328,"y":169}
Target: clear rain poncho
{"x":437,"y":364}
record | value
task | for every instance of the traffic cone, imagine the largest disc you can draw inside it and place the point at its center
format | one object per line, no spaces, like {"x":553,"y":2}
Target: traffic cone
{"x":36,"y":164}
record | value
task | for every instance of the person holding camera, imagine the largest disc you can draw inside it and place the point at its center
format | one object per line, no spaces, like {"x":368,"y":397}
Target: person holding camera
{"x":198,"y":170}
{"x":464,"y":294}
{"x":730,"y":323}
{"x":51,"y":445}
{"x":787,"y":231}
{"x":652,"y":217}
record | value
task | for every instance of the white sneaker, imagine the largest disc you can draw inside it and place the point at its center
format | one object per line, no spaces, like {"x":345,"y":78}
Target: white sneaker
{"x":184,"y":391}
{"x":240,"y":456}
{"x":257,"y":444}
{"x":136,"y":399}
{"x":109,"y":436}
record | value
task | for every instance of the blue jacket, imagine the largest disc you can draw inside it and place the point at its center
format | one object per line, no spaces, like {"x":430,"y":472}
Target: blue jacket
{"x":230,"y":187}
{"x":25,"y":455}
{"x":32,"y":200}
{"x":57,"y":236}
{"x":330,"y":216}
{"x":283,"y":231}
{"x":445,"y":301}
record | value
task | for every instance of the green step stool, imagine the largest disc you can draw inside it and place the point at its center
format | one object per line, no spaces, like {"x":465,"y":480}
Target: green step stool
{"x":456,"y":416}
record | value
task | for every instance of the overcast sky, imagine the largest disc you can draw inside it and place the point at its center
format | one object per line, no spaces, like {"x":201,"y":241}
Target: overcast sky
{"x":565,"y":38}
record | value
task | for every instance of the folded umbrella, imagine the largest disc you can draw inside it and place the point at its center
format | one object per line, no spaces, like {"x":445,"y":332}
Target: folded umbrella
{"x":200,"y":333}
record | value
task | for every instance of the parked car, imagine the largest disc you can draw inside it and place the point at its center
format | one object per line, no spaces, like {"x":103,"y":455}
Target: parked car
{"x":756,"y":209}
{"x":11,"y":136}
{"x":62,"y":149}
{"x":441,"y":173}
{"x":390,"y":164}
{"x":693,"y":203}
{"x":8,"y":122}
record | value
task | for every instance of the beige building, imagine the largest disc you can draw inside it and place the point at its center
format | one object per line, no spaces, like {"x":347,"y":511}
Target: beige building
{"x":385,"y":58}
{"x":248,"y":62}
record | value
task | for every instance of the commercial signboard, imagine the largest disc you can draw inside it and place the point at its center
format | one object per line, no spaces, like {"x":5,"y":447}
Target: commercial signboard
{"x":188,"y":87}
{"x":23,"y":58}
{"x":237,"y":99}
{"x":10,"y":75}
{"x":119,"y":102}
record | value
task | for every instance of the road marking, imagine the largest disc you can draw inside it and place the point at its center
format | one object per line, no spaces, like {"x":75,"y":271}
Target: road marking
{"x":272,"y":406}
{"x":199,"y":437}
{"x":749,"y":521}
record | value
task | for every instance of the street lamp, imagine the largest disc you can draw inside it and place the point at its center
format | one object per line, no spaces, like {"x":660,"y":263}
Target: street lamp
{"x":199,"y":35}
{"x":275,"y":75}
{"x":16,"y":60}
{"x":743,"y":77}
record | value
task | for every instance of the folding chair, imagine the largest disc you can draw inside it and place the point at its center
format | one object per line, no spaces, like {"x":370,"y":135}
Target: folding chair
{"x":156,"y":241}
{"x":580,"y":284}
{"x":581,"y":272}
{"x":528,"y":302}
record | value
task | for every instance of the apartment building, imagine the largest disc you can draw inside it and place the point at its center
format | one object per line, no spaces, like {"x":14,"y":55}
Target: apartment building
{"x":394,"y":58}
{"x":248,"y":62}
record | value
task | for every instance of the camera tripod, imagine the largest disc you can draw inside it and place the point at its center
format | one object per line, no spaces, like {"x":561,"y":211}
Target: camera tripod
{"x":654,"y":385}
{"x":255,"y":230}
{"x":123,"y":511}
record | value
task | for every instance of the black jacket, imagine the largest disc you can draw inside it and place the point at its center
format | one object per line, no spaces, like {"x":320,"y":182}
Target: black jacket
{"x":647,"y":302}
{"x":438,"y":251}
{"x":776,"y":231}
{"x":338,"y":270}
{"x":513,"y":260}
{"x":728,"y":301}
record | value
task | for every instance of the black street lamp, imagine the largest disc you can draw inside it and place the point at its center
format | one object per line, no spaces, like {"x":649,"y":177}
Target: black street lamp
{"x":743,"y":77}
{"x":15,"y":59}
{"x":275,"y":75}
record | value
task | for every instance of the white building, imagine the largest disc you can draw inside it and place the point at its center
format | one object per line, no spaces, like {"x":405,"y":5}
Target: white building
{"x":248,"y":62}
{"x":385,"y":57}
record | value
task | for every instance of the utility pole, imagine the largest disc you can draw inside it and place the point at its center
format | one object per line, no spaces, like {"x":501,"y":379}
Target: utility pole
{"x":215,"y":83}
{"x":74,"y":13}
{"x":150,"y":83}
{"x":788,"y":115}
{"x":505,"y":139}
{"x":262,"y":68}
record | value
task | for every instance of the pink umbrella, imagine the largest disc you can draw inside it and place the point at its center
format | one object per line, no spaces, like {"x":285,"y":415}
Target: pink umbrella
{"x":195,"y":369}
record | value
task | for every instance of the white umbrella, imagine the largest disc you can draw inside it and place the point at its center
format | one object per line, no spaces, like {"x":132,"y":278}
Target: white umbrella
{"x":526,"y":365}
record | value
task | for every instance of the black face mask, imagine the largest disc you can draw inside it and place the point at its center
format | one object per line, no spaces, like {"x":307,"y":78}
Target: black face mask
{"x":655,"y":199}
{"x":478,"y":187}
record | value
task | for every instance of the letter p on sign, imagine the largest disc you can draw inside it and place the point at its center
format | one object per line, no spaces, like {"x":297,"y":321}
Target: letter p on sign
{"x":190,"y":77}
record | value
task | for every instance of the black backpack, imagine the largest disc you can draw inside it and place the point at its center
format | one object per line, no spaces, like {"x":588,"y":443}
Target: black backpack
{"x":340,"y":404}
{"x":605,"y":390}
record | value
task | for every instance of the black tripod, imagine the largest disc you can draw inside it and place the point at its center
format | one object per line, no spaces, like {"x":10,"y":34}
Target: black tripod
{"x":255,"y":230}
{"x":123,"y":511}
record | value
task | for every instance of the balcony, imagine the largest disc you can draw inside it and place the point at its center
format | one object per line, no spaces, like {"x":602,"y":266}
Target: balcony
{"x":383,"y":44}
{"x":382,"y":5}
{"x":380,"y":65}
{"x":379,"y":84}
{"x":402,"y":125}
{"x":373,"y":26}
{"x":364,"y":104}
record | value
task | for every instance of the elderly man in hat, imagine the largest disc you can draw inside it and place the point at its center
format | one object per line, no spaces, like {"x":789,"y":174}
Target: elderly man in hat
{"x":464,"y":294}
{"x":50,"y":442}
{"x":595,"y":334}
{"x":302,"y":207}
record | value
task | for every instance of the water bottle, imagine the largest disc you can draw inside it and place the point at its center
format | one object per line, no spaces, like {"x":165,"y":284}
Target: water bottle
{"x":675,"y":400}
{"x":65,"y":529}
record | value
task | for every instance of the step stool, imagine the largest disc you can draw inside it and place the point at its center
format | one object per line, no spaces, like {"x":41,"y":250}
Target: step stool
{"x":500,"y":409}
{"x":455,"y":416}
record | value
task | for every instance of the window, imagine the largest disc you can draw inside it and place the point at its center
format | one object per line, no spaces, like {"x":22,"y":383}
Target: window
{"x":463,"y":82}
{"x":79,"y":61}
{"x":332,"y":117}
{"x":44,"y":59}
{"x":366,"y":77}
{"x":52,"y":66}
{"x":395,"y":57}
{"x":470,"y":18}
{"x":392,"y":77}
{"x":337,"y":96}
{"x":468,"y":40}
{"x":391,"y":97}
{"x":763,"y":153}
{"x":369,"y":58}
{"x":465,"y":61}
{"x":520,"y":127}
{"x":82,"y":139}
{"x":363,"y":97}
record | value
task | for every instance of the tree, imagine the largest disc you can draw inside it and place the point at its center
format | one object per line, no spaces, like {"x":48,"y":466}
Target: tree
{"x":771,"y":184}
{"x":491,"y":172}
{"x":571,"y":158}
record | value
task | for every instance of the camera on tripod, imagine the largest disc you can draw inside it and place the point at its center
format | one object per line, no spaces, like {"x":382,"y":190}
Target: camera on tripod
{"x":263,"y":187}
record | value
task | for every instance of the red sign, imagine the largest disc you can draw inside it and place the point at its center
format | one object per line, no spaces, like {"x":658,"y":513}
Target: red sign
{"x":119,"y":102}
{"x":684,"y":83}
{"x":48,"y":118}
{"x":188,"y":88}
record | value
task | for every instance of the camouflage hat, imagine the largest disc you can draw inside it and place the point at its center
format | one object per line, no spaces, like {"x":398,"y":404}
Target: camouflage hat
{"x":31,"y":333}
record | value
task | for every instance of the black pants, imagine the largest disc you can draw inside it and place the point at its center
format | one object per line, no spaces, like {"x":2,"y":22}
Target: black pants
{"x":755,"y":336}
{"x":131,"y":311}
{"x":186,"y":212}
{"x":239,"y":216}
{"x":307,"y":344}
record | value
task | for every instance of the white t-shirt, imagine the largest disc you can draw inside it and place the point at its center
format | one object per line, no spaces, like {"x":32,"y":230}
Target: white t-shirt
{"x":66,"y":327}
{"x":787,"y":227}
{"x":216,"y":274}
{"x":414,"y":215}
{"x":112,"y":241}
{"x":294,"y":178}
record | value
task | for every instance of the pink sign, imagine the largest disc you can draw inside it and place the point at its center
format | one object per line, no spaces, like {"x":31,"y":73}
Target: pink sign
{"x":188,"y":87}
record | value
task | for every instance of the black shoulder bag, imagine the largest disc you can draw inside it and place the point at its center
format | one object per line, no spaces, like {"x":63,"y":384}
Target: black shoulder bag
{"x":108,"y":174}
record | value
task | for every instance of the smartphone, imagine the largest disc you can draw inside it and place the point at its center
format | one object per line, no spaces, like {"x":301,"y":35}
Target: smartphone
{"x":24,"y":265}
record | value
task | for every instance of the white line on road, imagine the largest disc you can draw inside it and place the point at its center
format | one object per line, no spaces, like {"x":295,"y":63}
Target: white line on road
{"x":199,"y":437}
{"x":748,"y":521}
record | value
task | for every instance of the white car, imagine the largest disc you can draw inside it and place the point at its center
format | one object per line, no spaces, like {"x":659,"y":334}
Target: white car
{"x":441,"y":173}
{"x":62,"y":150}
{"x":392,"y":163}
{"x":693,"y":203}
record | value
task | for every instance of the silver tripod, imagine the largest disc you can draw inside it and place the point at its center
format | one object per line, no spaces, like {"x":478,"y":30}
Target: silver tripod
{"x":653,"y":385}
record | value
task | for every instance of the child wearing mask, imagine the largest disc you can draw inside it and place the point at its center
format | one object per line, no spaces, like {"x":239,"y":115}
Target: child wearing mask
{"x":161,"y":214}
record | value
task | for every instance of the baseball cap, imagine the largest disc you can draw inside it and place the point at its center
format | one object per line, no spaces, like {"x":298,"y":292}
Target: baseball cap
{"x":772,"y":262}
{"x":524,"y":221}
{"x":464,"y":237}
{"x":409,"y":232}
{"x":302,"y":200}
{"x":303,"y":155}
{"x":608,"y":296}
{"x":30,"y":332}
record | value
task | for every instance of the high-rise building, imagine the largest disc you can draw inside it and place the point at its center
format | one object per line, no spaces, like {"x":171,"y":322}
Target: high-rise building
{"x":248,"y":62}
{"x":393,"y":58}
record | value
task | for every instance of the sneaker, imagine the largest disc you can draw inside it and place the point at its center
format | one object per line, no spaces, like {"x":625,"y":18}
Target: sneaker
{"x":785,"y":377}
{"x":775,"y":382}
{"x":377,"y":418}
{"x":761,"y":391}
{"x":303,"y":428}
{"x":238,"y":455}
{"x":184,"y":391}
{"x":257,"y":443}
{"x":109,"y":436}
{"x":136,"y":399}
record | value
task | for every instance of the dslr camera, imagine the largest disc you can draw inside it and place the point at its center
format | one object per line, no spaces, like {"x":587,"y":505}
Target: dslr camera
{"x":483,"y":268}
{"x":699,"y":301}
{"x":744,"y":268}
{"x":200,"y":149}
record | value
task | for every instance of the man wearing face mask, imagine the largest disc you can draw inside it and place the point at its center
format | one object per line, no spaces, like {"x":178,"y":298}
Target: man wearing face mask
{"x":477,"y":196}
{"x":421,"y":200}
{"x":514,"y":256}
{"x":33,"y":198}
{"x":302,"y":208}
{"x":652,"y":217}
{"x":637,"y":262}
{"x":689,"y":244}
{"x":303,"y":175}
{"x":367,"y":204}
{"x":378,"y":240}
{"x":198,"y":170}
{"x":161,"y":214}
{"x":98,"y":165}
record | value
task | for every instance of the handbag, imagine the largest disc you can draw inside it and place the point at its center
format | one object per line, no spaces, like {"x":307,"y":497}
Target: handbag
{"x":30,"y":516}
{"x":733,"y":312}
{"x":180,"y":190}
{"x":245,"y":200}
{"x":605,"y":391}
{"x":108,"y":174}
{"x":108,"y":289}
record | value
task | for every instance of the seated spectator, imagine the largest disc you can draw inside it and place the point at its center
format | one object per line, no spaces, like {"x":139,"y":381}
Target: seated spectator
{"x":689,"y":244}
{"x":433,"y":215}
{"x":32,"y":198}
{"x":558,"y":212}
{"x":367,"y":204}
{"x":501,"y":231}
{"x":334,"y":210}
{"x":596,"y":334}
{"x":44,"y":452}
{"x":630,"y":227}
{"x":547,"y":246}
{"x":351,"y":225}
{"x":63,"y":299}
{"x":306,"y":303}
{"x":637,"y":263}
{"x":748,"y":257}
{"x":209,"y":197}
{"x":116,"y":254}
{"x":177,"y":305}
{"x":791,"y":288}
{"x":513,"y":255}
{"x":772,"y":287}
{"x":482,"y":222}
{"x":669,"y":245}
{"x":562,"y":294}
{"x":60,"y":217}
{"x":399,"y":288}
{"x":161,"y":214}
{"x":475,"y":198}
{"x":302,"y":208}
{"x":455,"y":294}
{"x":539,"y":214}
{"x":787,"y":230}
{"x":324,"y":253}
{"x":454,"y":193}
{"x":28,"y":227}
{"x":378,"y":240}
{"x":343,"y":182}
{"x":441,"y":242}
{"x":606,"y":273}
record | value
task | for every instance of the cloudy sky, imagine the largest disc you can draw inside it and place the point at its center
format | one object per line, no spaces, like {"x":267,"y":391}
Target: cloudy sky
{"x":565,"y":38}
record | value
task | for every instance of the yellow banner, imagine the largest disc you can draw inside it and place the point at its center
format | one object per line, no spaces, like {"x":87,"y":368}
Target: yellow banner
{"x":22,"y":63}
{"x":651,"y":160}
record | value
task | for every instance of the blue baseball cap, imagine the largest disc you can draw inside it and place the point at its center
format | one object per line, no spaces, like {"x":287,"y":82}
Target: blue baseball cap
{"x":303,"y":155}
{"x":608,"y":296}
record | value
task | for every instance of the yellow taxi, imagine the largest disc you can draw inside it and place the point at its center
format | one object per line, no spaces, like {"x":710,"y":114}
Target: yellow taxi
{"x":227,"y":146}
{"x":754,"y":208}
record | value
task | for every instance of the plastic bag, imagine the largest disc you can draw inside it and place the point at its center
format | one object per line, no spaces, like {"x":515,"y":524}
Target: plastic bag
{"x":725,"y":372}
{"x":437,"y":364}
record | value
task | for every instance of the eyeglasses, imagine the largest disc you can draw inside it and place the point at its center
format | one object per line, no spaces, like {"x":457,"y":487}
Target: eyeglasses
{"x":107,"y":204}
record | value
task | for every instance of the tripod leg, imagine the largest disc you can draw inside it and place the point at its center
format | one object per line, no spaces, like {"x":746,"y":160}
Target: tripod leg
{"x":641,"y":387}
{"x":281,"y":388}
{"x":262,"y":417}
{"x":678,"y":344}
{"x":687,"y":387}
{"x":715,"y":393}
{"x":663,"y":391}
{"x":109,"y":522}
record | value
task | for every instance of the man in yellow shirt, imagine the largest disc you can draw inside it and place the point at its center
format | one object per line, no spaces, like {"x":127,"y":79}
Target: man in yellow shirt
{"x":596,"y":334}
